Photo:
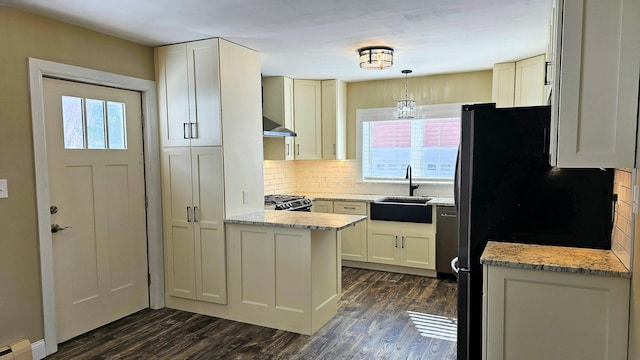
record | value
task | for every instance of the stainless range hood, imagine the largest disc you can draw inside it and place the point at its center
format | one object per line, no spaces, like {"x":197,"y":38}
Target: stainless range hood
{"x":273,"y":129}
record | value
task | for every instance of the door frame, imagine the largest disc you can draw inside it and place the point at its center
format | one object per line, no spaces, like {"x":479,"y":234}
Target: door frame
{"x":43,"y":68}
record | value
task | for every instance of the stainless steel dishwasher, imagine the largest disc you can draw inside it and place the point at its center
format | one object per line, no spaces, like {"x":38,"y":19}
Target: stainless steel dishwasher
{"x":446,"y":238}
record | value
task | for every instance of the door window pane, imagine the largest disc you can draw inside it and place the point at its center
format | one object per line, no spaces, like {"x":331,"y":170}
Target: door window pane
{"x":115,"y":121}
{"x":73,"y":128}
{"x":95,"y":124}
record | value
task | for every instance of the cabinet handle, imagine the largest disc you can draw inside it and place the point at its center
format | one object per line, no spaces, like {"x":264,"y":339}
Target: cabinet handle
{"x":188,"y":217}
{"x":547,"y":65}
{"x":298,"y":149}
{"x":403,"y":241}
{"x":350,"y":207}
{"x":184,"y":131}
{"x":396,"y":237}
{"x":195,"y":216}
{"x":287,"y":145}
{"x":193,"y":133}
{"x":448,"y":215}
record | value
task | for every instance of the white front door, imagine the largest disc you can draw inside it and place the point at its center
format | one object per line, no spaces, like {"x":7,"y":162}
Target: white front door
{"x":96,"y":184}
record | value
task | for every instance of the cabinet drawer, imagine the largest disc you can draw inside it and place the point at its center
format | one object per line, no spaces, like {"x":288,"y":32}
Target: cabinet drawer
{"x":348,"y":207}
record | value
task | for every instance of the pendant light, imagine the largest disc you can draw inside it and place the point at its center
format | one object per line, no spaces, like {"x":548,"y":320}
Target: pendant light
{"x":406,"y":107}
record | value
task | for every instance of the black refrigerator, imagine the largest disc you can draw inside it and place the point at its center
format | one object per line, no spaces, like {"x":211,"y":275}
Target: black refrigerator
{"x":505,"y":190}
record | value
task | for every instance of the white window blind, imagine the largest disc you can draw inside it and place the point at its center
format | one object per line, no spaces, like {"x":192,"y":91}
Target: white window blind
{"x":429,"y":143}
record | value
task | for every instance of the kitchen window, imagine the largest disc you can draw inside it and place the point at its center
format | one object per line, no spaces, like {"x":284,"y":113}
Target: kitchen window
{"x":429,"y":143}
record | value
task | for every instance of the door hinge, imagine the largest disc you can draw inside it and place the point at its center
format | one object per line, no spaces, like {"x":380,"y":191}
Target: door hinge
{"x":149,"y":279}
{"x":146,"y":202}
{"x":142,"y":120}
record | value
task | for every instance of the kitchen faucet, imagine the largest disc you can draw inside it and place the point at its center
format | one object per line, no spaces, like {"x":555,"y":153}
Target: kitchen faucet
{"x":411,"y":186}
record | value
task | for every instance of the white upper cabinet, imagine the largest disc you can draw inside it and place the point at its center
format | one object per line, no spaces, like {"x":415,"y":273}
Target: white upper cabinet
{"x":529,"y":82}
{"x":502,"y":91}
{"x":307,"y":96}
{"x":189,"y":94}
{"x":595,"y":90}
{"x":316,"y":110}
{"x":277,"y":105}
{"x":334,"y":120}
{"x":519,"y":83}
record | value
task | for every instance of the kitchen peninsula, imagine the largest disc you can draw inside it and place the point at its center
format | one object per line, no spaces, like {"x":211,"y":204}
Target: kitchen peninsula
{"x":284,"y":268}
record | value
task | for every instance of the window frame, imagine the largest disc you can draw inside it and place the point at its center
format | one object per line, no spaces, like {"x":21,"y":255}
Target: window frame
{"x":390,"y":114}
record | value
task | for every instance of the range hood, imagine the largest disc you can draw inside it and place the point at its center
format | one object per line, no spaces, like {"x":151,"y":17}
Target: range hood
{"x":273,"y":129}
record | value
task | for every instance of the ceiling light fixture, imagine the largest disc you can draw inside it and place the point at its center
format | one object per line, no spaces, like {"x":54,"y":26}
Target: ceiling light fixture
{"x":376,"y":57}
{"x":406,"y":107}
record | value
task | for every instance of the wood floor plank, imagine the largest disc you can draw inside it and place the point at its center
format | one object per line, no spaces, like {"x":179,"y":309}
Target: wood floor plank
{"x":372,"y":323}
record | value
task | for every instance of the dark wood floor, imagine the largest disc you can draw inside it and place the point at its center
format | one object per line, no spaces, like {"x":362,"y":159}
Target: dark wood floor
{"x":381,"y":316}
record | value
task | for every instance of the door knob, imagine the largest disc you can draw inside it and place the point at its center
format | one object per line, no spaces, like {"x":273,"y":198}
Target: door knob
{"x":55,"y":228}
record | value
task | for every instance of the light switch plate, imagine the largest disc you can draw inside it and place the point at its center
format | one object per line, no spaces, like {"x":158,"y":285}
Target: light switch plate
{"x":245,"y":196}
{"x":4,"y":189}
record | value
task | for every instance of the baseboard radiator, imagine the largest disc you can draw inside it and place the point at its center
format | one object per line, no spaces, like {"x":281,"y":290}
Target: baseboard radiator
{"x":19,"y":350}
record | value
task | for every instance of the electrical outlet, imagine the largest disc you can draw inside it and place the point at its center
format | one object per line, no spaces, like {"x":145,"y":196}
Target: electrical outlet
{"x":245,"y":196}
{"x":4,"y":189}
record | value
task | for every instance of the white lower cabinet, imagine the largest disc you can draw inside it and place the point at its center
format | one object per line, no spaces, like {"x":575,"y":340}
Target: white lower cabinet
{"x":536,"y":314}
{"x":354,"y":238}
{"x":192,"y":194}
{"x":404,"y":244}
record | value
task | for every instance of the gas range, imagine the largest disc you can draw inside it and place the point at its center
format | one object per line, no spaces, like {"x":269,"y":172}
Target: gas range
{"x":288,"y":202}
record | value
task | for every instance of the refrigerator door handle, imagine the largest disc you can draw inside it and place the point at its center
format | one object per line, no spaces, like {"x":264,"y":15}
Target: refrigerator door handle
{"x":454,"y":265}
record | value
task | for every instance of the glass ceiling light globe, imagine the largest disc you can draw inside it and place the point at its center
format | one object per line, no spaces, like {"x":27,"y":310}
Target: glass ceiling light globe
{"x":375,"y":57}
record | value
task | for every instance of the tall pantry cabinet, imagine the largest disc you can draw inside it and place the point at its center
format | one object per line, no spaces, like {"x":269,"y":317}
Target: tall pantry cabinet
{"x":204,"y":87}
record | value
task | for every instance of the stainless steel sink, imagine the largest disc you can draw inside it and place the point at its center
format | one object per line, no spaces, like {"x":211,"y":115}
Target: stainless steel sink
{"x":401,"y":209}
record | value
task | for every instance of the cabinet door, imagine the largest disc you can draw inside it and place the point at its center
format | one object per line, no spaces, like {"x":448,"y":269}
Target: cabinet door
{"x":502,"y":92}
{"x":529,"y":89}
{"x":288,"y":117}
{"x":177,"y":217}
{"x":322,"y":206}
{"x":307,"y":119}
{"x":208,"y":217}
{"x":383,"y":247}
{"x":173,"y":95}
{"x":277,"y":95}
{"x":354,"y":242}
{"x":594,"y":116}
{"x":418,"y":251}
{"x":354,"y":238}
{"x":204,"y":93}
{"x":334,"y":120}
{"x":535,"y":314}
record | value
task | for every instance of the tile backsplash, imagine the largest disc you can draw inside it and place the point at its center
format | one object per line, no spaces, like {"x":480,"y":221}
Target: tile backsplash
{"x":622,"y":229}
{"x":334,"y":176}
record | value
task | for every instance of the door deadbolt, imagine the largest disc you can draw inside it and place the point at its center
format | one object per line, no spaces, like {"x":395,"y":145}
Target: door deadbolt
{"x":53,"y":209}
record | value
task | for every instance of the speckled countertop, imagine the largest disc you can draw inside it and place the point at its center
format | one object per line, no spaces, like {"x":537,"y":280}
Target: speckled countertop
{"x":438,"y":201}
{"x":297,"y":219}
{"x":554,"y":258}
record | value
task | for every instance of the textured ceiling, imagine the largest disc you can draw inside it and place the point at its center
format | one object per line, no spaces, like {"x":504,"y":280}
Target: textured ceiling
{"x":317,"y":39}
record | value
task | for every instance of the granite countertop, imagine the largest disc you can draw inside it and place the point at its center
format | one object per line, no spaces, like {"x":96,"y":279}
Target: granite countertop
{"x":438,"y":201}
{"x":297,"y":220}
{"x":554,"y":258}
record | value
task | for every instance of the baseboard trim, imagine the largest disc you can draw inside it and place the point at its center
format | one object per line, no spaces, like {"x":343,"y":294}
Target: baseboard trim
{"x":389,"y":268}
{"x":38,"y":350}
